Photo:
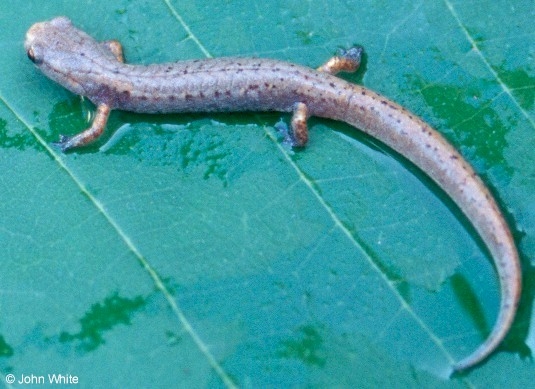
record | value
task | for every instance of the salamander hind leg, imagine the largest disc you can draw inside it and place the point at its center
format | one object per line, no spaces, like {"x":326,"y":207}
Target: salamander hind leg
{"x":346,"y":61}
{"x":298,"y":135}
{"x":115,"y":48}
{"x":85,"y":137}
{"x":299,"y":125}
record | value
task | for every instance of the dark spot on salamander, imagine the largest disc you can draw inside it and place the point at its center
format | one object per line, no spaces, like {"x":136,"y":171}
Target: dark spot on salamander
{"x":453,"y":156}
{"x":217,"y":93}
{"x":188,"y":96}
{"x":123,"y":96}
{"x":239,"y":70}
{"x":227,"y":93}
{"x":384,"y":102}
{"x":362,"y":108}
{"x":253,"y":86}
{"x":424,"y":130}
{"x":363,"y":93}
{"x":143,"y":97}
{"x":331,"y":84}
{"x":171,"y":97}
{"x":185,"y":71}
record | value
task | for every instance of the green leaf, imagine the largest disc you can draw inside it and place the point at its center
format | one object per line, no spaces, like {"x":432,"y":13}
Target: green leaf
{"x":196,"y":250}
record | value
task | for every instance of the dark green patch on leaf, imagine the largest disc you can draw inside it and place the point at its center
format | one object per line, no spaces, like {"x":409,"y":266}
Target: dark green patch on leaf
{"x":308,"y":349}
{"x":101,"y":318}
{"x":5,"y":349}
{"x":470,"y":303}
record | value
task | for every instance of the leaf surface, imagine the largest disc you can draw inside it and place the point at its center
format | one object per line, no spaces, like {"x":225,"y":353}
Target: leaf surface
{"x":197,"y":250}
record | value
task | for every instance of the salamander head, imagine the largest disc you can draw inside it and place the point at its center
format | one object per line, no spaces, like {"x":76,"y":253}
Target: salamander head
{"x":62,"y":52}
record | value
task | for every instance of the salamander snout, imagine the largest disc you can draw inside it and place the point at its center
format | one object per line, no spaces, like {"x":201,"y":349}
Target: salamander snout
{"x":30,"y":45}
{"x":45,"y":36}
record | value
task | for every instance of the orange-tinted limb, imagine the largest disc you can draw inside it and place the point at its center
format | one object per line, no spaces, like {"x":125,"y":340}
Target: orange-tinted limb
{"x":346,"y":61}
{"x":103,"y":111}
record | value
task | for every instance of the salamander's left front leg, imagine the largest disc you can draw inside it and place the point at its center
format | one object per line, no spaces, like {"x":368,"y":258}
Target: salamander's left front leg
{"x":89,"y":135}
{"x":103,"y":111}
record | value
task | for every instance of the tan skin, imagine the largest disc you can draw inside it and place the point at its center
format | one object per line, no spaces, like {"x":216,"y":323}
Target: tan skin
{"x":97,"y":70}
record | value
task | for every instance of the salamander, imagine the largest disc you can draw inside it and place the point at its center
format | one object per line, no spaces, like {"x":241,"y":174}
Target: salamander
{"x":97,"y":70}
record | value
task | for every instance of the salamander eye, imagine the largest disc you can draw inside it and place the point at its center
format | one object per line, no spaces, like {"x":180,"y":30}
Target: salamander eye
{"x":32,"y":57}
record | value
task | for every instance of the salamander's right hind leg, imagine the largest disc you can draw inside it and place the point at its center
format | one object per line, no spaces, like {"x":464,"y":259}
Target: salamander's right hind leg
{"x":346,"y":61}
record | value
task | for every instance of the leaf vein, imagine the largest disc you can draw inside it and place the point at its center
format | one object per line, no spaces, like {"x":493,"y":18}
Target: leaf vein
{"x":190,"y":33}
{"x":404,"y":305}
{"x":479,"y":53}
{"x":132,"y":247}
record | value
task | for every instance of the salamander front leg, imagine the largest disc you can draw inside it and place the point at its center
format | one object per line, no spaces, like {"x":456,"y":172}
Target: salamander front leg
{"x":101,"y":117}
{"x":89,"y":135}
{"x":345,"y":61}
